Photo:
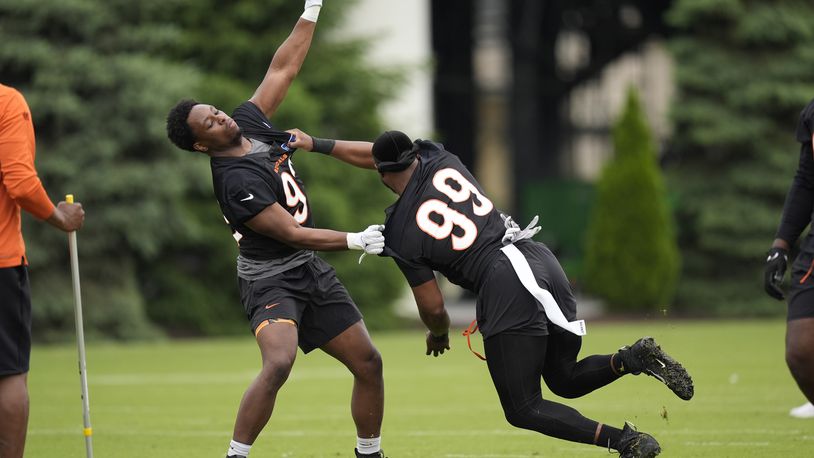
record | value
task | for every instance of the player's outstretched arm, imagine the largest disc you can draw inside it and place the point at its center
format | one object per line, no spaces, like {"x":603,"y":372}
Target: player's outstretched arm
{"x":287,"y":61}
{"x":359,"y":154}
{"x":431,"y":309}
{"x":275,"y":222}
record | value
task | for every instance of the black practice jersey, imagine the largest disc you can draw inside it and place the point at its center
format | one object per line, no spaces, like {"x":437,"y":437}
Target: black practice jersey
{"x":246,"y":185}
{"x":443,"y":222}
{"x":797,"y":211}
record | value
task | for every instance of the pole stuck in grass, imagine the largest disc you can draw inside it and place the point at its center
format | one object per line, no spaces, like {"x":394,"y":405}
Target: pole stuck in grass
{"x":80,"y":337}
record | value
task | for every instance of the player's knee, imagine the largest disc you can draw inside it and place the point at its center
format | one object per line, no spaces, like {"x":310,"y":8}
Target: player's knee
{"x":275,"y":372}
{"x":564,"y":391}
{"x":519,"y":418}
{"x":562,"y":387}
{"x":370,"y":366}
{"x":14,"y":395}
{"x":800,"y":360}
{"x":13,"y":407}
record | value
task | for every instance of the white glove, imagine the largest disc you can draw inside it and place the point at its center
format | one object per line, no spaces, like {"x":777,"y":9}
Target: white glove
{"x":511,"y":228}
{"x":513,"y":232}
{"x":311,"y":10}
{"x":371,"y":240}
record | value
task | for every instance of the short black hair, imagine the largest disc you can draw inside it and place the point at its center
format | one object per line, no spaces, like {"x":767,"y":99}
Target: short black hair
{"x":393,"y":151}
{"x":178,"y":129}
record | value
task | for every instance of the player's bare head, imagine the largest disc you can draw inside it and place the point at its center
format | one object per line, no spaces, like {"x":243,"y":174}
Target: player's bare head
{"x":178,"y":130}
{"x":195,"y":126}
{"x":393,"y":151}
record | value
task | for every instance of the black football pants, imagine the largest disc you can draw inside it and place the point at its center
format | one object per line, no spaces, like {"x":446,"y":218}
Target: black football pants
{"x":516,"y":364}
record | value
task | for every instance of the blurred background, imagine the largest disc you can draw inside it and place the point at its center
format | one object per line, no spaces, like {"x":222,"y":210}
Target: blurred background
{"x":654,"y":138}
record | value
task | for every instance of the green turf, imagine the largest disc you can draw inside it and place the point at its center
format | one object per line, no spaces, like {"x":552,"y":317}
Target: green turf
{"x":178,"y":399}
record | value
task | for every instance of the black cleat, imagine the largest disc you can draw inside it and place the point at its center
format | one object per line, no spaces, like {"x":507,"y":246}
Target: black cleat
{"x":646,"y":356}
{"x":235,"y":456}
{"x":634,"y":444}
{"x":379,"y":454}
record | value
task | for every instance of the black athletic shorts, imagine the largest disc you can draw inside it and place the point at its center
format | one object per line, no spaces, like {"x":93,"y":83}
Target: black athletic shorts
{"x":309,"y":294}
{"x":504,"y":305}
{"x":801,"y":290}
{"x":15,"y":320}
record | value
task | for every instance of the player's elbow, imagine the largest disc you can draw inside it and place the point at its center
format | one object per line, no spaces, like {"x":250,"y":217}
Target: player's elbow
{"x":435,"y":311}
{"x":21,"y":189}
{"x":283,"y":75}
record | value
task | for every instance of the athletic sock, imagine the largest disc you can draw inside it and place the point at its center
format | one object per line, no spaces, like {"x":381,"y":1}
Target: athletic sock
{"x":608,"y":436}
{"x":617,"y":365}
{"x":238,"y":449}
{"x":370,"y":445}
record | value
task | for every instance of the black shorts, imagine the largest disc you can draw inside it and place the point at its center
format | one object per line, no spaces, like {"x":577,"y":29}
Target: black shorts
{"x":801,"y":290}
{"x":504,"y":304}
{"x":309,"y":294}
{"x":15,"y":320}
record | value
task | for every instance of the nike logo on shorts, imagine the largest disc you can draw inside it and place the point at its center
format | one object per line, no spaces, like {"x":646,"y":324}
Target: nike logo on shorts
{"x":272,"y":305}
{"x":251,"y":196}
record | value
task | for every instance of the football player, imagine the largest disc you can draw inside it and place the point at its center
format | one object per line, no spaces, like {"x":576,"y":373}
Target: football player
{"x":291,"y":296}
{"x":797,"y":213}
{"x":444,"y":222}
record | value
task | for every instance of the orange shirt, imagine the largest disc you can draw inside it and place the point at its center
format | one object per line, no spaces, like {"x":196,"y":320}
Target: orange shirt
{"x":19,"y":185}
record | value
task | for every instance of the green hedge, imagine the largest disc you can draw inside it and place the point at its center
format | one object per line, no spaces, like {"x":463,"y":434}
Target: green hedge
{"x":631,"y":258}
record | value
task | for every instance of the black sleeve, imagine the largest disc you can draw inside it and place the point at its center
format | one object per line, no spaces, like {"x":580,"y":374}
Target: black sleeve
{"x":246,"y":196}
{"x":805,"y":126}
{"x":416,"y":274}
{"x":800,"y":199}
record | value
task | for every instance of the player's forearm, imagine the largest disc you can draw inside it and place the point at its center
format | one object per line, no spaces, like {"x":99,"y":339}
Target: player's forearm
{"x":307,"y":238}
{"x":431,"y":309}
{"x":276,"y":223}
{"x":291,"y":54}
{"x":357,"y":153}
{"x":354,"y":153}
{"x":284,"y":67}
{"x":437,"y":322}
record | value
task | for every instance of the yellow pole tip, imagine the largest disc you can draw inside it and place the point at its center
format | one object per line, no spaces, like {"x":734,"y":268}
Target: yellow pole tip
{"x":69,"y":198}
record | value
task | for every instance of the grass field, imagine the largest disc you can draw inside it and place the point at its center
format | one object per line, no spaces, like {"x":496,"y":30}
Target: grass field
{"x":178,"y":399}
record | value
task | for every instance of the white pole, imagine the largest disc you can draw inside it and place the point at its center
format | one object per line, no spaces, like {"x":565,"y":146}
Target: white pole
{"x":80,"y":337}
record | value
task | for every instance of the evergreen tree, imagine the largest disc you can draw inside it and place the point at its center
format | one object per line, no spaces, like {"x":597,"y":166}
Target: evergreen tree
{"x":98,"y":98}
{"x":335,"y":95}
{"x":100,"y":76}
{"x":631,"y":255}
{"x":743,"y":75}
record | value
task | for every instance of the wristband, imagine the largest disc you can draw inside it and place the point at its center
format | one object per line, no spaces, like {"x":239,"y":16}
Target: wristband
{"x":439,"y":339}
{"x":311,"y":13}
{"x":323,"y":145}
{"x":354,"y":240}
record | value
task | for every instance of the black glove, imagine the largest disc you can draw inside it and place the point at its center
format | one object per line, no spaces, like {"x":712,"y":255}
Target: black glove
{"x":773,"y":274}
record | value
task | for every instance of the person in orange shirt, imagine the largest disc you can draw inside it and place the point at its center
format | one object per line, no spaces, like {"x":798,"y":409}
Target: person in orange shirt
{"x":20,"y":188}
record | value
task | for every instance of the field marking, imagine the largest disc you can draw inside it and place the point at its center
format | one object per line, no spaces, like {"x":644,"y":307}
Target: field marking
{"x":485,"y":455}
{"x":169,"y":379}
{"x":471,"y":432}
{"x":192,"y":378}
{"x":720,"y":432}
{"x":727,"y":444}
{"x":418,"y":433}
